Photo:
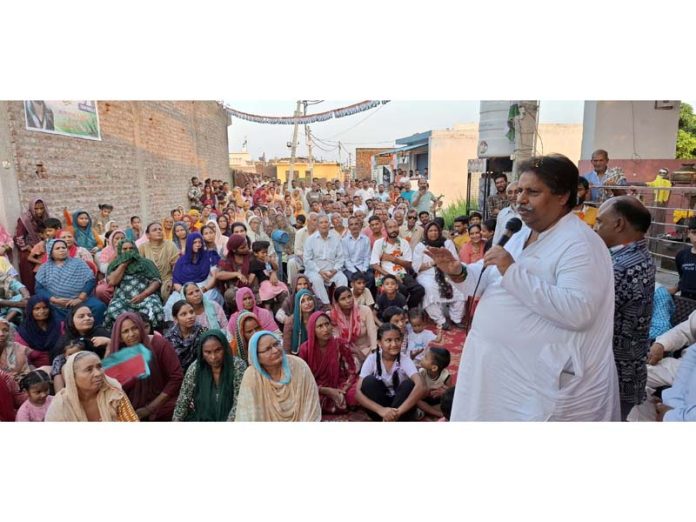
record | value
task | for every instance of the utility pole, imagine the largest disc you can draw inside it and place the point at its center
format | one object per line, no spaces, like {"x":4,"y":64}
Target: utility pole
{"x":293,"y":149}
{"x":525,"y":133}
{"x":309,"y":147}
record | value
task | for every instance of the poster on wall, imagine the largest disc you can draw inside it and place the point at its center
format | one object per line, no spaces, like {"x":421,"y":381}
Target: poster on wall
{"x":78,"y":119}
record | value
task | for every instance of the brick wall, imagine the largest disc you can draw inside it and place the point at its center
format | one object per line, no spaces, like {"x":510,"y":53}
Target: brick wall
{"x":143,"y":164}
{"x":363,"y":165}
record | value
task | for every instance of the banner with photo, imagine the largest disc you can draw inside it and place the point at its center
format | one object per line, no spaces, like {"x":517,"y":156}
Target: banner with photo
{"x":79,"y":119}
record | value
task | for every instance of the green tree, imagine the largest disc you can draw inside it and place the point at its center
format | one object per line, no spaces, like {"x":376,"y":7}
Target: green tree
{"x":686,"y":135}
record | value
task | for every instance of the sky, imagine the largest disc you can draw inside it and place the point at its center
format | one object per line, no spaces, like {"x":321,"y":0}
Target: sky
{"x":377,"y":127}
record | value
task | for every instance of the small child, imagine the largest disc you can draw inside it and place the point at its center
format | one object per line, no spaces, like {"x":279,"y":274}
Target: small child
{"x":50,"y":230}
{"x":397,"y":316}
{"x":436,"y":376}
{"x":418,"y":337}
{"x":37,"y":385}
{"x":71,"y":346}
{"x":446,"y":404}
{"x":389,"y":296}
{"x":13,"y":296}
{"x":361,"y":295}
{"x":272,"y":291}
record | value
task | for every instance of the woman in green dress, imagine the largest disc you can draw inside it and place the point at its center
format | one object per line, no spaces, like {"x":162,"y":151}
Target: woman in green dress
{"x":136,"y":281}
{"x":211,"y":384}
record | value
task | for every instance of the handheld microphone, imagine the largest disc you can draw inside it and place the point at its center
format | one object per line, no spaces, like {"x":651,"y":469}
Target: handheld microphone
{"x":513,"y":226}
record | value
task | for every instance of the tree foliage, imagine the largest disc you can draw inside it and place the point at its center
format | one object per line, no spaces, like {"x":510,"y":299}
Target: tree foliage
{"x":686,"y":135}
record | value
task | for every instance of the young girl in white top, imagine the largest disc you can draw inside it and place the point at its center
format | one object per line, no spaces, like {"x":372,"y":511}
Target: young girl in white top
{"x":389,"y":386}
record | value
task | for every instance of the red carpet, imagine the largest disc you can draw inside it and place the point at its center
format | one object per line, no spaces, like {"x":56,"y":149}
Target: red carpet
{"x":453,"y":341}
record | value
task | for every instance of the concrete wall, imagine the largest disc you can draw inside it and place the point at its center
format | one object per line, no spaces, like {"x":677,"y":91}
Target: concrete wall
{"x":629,"y":129}
{"x":326,"y":171}
{"x":143,"y":164}
{"x":363,"y":161}
{"x":451,"y":149}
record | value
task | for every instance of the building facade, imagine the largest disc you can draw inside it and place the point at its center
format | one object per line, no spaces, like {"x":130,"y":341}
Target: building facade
{"x":142,"y":165}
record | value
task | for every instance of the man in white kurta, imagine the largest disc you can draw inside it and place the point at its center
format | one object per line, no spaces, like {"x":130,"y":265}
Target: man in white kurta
{"x":324,"y":260}
{"x":553,"y":358}
{"x":540,"y":347}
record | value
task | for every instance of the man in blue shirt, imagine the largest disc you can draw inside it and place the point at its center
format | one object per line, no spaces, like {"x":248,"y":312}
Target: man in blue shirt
{"x":600,"y":162}
{"x":357,"y":251}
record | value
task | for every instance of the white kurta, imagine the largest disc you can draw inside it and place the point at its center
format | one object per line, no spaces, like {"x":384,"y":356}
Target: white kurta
{"x":426,"y":278}
{"x":540,"y":347}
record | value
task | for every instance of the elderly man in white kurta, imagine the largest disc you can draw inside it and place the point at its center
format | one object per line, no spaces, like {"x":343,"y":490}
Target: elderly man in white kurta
{"x":540,"y":347}
{"x":324,"y":260}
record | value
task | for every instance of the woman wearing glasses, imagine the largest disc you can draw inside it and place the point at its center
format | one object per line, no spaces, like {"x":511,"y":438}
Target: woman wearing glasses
{"x":276,"y":386}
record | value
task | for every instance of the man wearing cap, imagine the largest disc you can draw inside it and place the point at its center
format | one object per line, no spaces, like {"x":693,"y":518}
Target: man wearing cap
{"x":661,"y":198}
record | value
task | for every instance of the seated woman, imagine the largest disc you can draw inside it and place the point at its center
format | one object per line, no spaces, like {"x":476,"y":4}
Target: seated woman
{"x":355,"y":324}
{"x":66,"y":282}
{"x":167,"y":228}
{"x":81,"y":332}
{"x":473,"y":250}
{"x":74,"y":250}
{"x":208,"y":313}
{"x":300,"y":282}
{"x":89,"y":395}
{"x":179,"y":236}
{"x":247,"y":325}
{"x":163,"y":254}
{"x":14,"y":357}
{"x":276,"y":386}
{"x":85,"y":236}
{"x":13,"y":297}
{"x":40,"y":331}
{"x":389,"y":386}
{"x":246,"y":301}
{"x":154,"y":397}
{"x":136,"y":281}
{"x":234,"y":269}
{"x":211,"y":385}
{"x":295,"y":327}
{"x":438,"y":290}
{"x":184,"y":334}
{"x":104,"y":290}
{"x":193,"y":267}
{"x":332,"y":364}
{"x":209,"y":242}
{"x":220,"y":239}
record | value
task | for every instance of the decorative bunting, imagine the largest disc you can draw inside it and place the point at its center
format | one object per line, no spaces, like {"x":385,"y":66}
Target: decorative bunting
{"x":310,"y":118}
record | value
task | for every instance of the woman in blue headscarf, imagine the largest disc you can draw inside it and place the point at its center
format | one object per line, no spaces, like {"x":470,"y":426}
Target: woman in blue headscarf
{"x":66,"y":282}
{"x":85,"y":236}
{"x":295,"y":326}
{"x":40,"y":330}
{"x":276,"y":386}
{"x":194,"y":267}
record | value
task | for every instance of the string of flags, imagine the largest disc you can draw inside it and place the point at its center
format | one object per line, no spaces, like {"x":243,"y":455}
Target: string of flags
{"x":309,"y":118}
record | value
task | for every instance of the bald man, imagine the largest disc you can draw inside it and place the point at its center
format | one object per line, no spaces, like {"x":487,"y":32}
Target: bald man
{"x":622,"y":223}
{"x":507,"y":213}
